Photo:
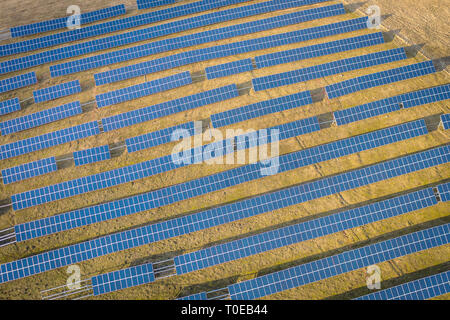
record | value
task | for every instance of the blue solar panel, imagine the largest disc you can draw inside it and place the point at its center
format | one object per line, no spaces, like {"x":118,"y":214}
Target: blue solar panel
{"x":223,"y":180}
{"x":196,"y":296}
{"x":444,"y":191}
{"x":91,"y":155}
{"x":57,"y":91}
{"x":9,"y":106}
{"x":170,"y":107}
{"x":61,"y":23}
{"x":143,"y":89}
{"x":445,"y":118}
{"x":140,"y":236}
{"x":17,"y":82}
{"x":420,"y":289}
{"x":317,"y":50}
{"x":122,"y":279}
{"x":228,"y":69}
{"x":156,"y":138}
{"x":40,"y":118}
{"x":260,"y":109}
{"x":292,"y":234}
{"x":328,"y":69}
{"x":29,"y":170}
{"x":379,"y":79}
{"x":340,"y":263}
{"x":48,"y":140}
{"x":147,"y":67}
{"x":145,"y":4}
{"x":199,"y":55}
{"x":407,"y":100}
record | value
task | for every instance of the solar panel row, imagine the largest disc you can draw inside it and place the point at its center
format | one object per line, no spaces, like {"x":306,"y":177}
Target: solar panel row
{"x":122,"y":24}
{"x":137,"y":237}
{"x":407,"y":100}
{"x":292,"y":234}
{"x":40,"y":118}
{"x":17,"y":82}
{"x":445,"y":118}
{"x":170,"y":107}
{"x":91,"y":155}
{"x":341,"y":263}
{"x":380,"y":78}
{"x":444,"y":192}
{"x":48,"y":140}
{"x":61,"y":23}
{"x":9,"y":106}
{"x":145,"y":4}
{"x":147,"y":67}
{"x":420,"y":289}
{"x":228,"y":69}
{"x":57,"y":91}
{"x":199,"y":55}
{"x":260,"y":109}
{"x":328,"y":69}
{"x":196,"y":296}
{"x":29,"y":170}
{"x":143,"y":89}
{"x":220,"y":181}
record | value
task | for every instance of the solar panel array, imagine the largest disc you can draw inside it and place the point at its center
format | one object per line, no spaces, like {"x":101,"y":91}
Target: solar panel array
{"x":151,"y":66}
{"x":445,"y":118}
{"x":57,"y":91}
{"x":292,"y":234}
{"x":444,"y":191}
{"x":9,"y":106}
{"x":222,"y":180}
{"x":143,"y":89}
{"x":199,"y":55}
{"x":145,"y":4}
{"x":16,"y":82}
{"x":196,"y":296}
{"x":260,"y":109}
{"x":420,"y":289}
{"x":341,"y":263}
{"x":407,"y":100}
{"x":61,"y":23}
{"x":230,"y":68}
{"x":380,"y":78}
{"x":317,"y":50}
{"x":29,"y":170}
{"x":328,"y":69}
{"x":137,"y":237}
{"x":91,"y":155}
{"x":167,"y":108}
{"x":48,"y":140}
{"x":40,"y":118}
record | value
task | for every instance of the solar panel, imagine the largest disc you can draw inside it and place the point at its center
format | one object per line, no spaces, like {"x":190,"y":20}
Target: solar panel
{"x":40,"y":118}
{"x":196,"y":296}
{"x":260,"y":109}
{"x":317,"y":50}
{"x":170,"y":107}
{"x":17,"y":82}
{"x":48,"y":140}
{"x":145,"y":4}
{"x":121,"y":279}
{"x":420,"y":289}
{"x":156,"y":138}
{"x":109,"y":42}
{"x":339,"y":264}
{"x":61,"y":23}
{"x":223,"y":180}
{"x":444,"y":192}
{"x":57,"y":91}
{"x":91,"y":155}
{"x":199,"y":55}
{"x":328,"y":69}
{"x":407,"y":100}
{"x":143,"y":89}
{"x":140,"y":236}
{"x":9,"y":106}
{"x":380,"y":78}
{"x":146,"y":67}
{"x":29,"y":170}
{"x":292,"y":234}
{"x":445,"y":118}
{"x":228,"y":69}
